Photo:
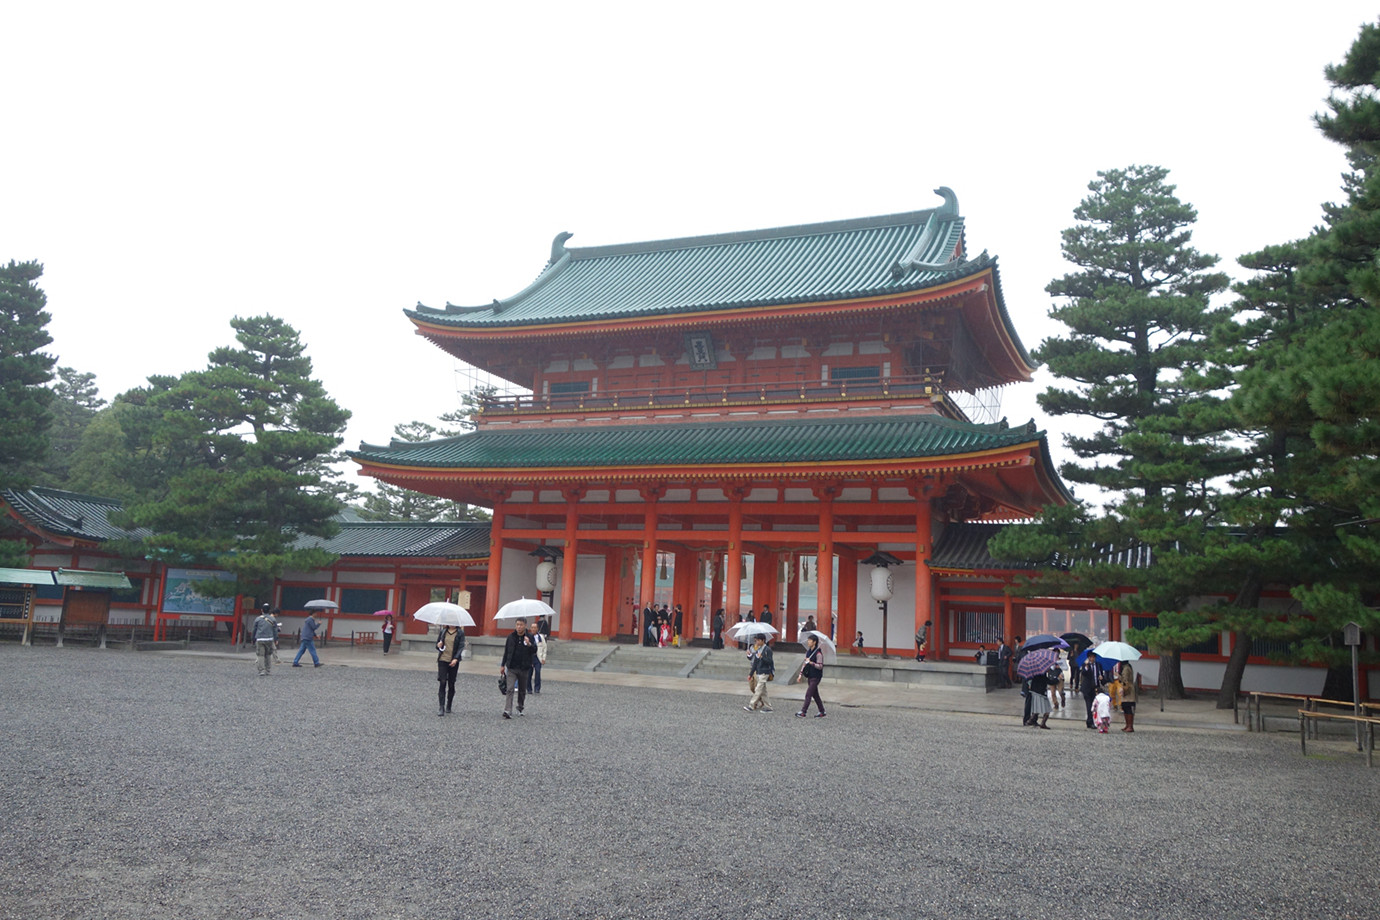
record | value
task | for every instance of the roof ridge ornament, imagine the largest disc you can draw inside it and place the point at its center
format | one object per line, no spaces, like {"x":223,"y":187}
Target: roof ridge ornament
{"x":558,"y":246}
{"x":948,"y":211}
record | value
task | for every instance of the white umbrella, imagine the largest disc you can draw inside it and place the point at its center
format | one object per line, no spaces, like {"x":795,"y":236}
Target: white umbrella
{"x":444,"y":613}
{"x":749,"y":628}
{"x":831,"y":651}
{"x":1117,"y":651}
{"x":525,"y":608}
{"x":321,"y":604}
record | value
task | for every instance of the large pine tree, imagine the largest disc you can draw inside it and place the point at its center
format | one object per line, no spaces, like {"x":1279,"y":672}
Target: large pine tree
{"x":1139,"y":313}
{"x":235,"y":459}
{"x":24,"y":372}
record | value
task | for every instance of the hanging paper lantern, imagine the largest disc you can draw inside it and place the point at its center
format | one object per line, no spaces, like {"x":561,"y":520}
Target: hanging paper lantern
{"x":546,"y":576}
{"x":882,"y":584}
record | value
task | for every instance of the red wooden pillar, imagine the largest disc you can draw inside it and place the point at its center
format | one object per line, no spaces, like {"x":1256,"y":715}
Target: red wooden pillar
{"x":495,"y":580}
{"x":848,"y":601}
{"x":647,"y":588}
{"x":1008,"y":618}
{"x":924,"y":578}
{"x":570,"y":558}
{"x":824,"y":560}
{"x":733,"y":576}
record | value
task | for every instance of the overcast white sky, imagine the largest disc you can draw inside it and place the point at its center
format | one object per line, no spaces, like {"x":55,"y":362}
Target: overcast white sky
{"x":177,"y":164}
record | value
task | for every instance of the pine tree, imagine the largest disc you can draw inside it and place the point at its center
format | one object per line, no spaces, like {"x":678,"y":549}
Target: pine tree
{"x":1139,"y":313}
{"x":246,"y":446}
{"x":76,"y":401}
{"x":24,"y":372}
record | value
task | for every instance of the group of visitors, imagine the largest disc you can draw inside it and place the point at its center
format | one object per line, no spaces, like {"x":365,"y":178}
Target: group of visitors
{"x":519,"y":671}
{"x":662,"y":626}
{"x":265,"y":632}
{"x":762,"y":671}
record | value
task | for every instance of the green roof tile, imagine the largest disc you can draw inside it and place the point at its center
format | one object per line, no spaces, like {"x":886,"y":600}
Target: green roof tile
{"x":785,"y":441}
{"x":839,"y":260}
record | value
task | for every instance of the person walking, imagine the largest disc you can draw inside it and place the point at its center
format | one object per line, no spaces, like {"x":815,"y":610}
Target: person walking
{"x":265,"y":638}
{"x":922,"y":641}
{"x":310,"y":627}
{"x":1038,"y":701}
{"x":388,"y":628}
{"x":811,"y":670}
{"x":450,"y":648}
{"x":539,"y":659}
{"x":277,"y":632}
{"x":763,"y":671}
{"x":1087,"y":685}
{"x":1128,"y":696}
{"x":717,"y":630}
{"x":518,"y":654}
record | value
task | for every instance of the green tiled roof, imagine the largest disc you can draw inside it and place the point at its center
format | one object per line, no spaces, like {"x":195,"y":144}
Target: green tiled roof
{"x":756,"y":441}
{"x":460,"y":540}
{"x":963,"y":546}
{"x":88,"y":579}
{"x":839,"y":260}
{"x":69,"y":514}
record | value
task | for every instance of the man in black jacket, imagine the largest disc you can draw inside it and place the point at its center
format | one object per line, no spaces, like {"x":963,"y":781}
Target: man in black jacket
{"x":518,"y":653}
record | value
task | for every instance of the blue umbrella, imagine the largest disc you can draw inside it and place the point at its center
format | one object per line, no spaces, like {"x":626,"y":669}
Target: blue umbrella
{"x":1105,"y":664}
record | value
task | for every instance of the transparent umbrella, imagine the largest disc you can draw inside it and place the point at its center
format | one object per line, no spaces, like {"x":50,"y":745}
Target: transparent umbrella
{"x":444,"y":613}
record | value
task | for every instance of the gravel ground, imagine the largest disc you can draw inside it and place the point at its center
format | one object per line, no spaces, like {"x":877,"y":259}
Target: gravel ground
{"x":151,"y":786}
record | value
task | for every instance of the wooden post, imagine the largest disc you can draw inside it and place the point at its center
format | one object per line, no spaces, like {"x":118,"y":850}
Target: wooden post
{"x":492,"y":587}
{"x":733,"y":577}
{"x":824,"y":560}
{"x":569,"y":559}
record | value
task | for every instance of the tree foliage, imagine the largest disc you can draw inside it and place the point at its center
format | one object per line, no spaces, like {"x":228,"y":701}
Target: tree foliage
{"x":231,"y":463}
{"x":24,"y":372}
{"x":394,"y":503}
{"x":76,"y":401}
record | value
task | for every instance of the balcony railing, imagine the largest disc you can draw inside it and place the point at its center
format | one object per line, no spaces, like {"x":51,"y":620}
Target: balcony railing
{"x":731,"y":394}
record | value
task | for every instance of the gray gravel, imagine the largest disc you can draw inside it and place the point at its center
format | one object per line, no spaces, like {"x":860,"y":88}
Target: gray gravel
{"x":153,"y":786}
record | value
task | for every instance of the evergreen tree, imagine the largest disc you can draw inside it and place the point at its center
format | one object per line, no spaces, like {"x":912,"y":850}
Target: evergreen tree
{"x":1139,"y":312}
{"x":394,"y":503}
{"x":75,"y":403}
{"x":1330,"y":376}
{"x":24,"y":372}
{"x":242,"y":450}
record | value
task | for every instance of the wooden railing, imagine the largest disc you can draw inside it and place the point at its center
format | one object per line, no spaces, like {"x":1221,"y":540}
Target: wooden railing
{"x":1365,"y":730}
{"x":921,"y":385}
{"x":1255,"y":722}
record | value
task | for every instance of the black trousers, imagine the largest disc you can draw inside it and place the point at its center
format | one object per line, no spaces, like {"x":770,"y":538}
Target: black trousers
{"x":445,"y":683}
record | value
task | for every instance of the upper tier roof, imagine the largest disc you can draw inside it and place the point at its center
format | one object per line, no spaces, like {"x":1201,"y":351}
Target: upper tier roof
{"x":838,"y":260}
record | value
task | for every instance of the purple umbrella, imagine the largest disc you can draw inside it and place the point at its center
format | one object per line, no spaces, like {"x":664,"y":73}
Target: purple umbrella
{"x":1037,"y":661}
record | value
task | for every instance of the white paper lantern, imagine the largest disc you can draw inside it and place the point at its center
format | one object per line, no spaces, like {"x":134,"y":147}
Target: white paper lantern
{"x":882,"y":584}
{"x":546,"y":576}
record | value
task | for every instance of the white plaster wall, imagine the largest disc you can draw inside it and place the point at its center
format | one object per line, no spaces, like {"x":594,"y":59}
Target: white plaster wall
{"x":589,"y":594}
{"x":519,"y":577}
{"x":1206,"y":675}
{"x":900,"y":633}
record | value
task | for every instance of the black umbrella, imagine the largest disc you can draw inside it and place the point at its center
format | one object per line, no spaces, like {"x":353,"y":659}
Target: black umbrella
{"x":1073,"y":638}
{"x":1035,"y":642}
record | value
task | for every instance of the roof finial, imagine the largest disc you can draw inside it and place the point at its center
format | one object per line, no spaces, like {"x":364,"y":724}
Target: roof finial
{"x":950,"y":206}
{"x":558,"y":245}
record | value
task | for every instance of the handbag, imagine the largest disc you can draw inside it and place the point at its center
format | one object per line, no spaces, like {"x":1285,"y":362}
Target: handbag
{"x":503,"y":685}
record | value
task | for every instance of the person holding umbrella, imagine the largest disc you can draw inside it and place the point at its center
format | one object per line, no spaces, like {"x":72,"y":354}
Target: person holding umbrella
{"x":309,"y":629}
{"x":518,"y":653}
{"x":1128,"y":696}
{"x":811,"y":670}
{"x":388,"y":628}
{"x":763,"y":670}
{"x":450,"y":646}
